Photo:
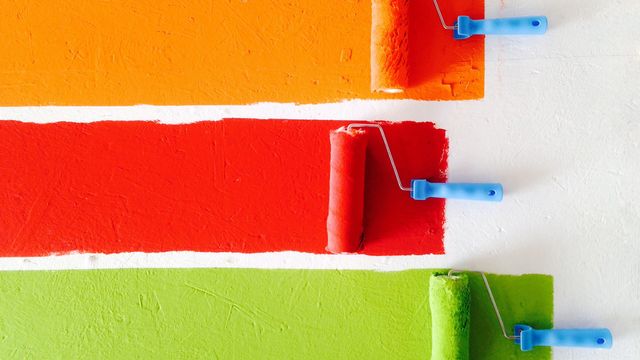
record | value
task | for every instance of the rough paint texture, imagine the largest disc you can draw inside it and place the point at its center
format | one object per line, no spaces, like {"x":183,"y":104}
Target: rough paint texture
{"x":232,"y":185}
{"x":389,"y":45}
{"x":346,"y":190}
{"x":449,"y":302}
{"x":125,"y":52}
{"x":248,"y":314}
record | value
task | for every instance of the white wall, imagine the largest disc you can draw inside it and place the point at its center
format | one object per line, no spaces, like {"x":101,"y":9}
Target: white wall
{"x":560,"y":127}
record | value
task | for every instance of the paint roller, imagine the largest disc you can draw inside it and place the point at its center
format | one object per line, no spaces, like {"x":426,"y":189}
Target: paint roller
{"x":389,"y":45}
{"x":346,"y":190}
{"x":346,"y":187}
{"x":450,"y":302}
{"x":465,"y":27}
{"x":390,"y":38}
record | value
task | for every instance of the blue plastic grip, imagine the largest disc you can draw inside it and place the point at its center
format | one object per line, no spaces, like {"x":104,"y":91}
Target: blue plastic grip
{"x":529,"y":25}
{"x":422,"y":190}
{"x":586,"y":338}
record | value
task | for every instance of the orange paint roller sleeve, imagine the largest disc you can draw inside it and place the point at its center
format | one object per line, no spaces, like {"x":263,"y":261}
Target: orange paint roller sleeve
{"x":346,"y":190}
{"x":389,"y":45}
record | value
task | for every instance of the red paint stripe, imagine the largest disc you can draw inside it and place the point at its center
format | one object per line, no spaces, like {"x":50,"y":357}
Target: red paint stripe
{"x":234,"y":185}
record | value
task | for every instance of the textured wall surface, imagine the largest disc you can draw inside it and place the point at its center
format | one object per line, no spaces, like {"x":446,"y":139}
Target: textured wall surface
{"x":236,"y":185}
{"x":250,"y":314}
{"x":559,"y":126}
{"x":168,"y":52}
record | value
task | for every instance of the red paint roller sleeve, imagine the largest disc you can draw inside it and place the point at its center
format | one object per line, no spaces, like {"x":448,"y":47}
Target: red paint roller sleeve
{"x":389,"y":45}
{"x":346,"y":190}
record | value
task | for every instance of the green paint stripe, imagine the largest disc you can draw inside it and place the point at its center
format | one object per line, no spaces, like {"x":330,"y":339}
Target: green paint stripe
{"x":249,"y":314}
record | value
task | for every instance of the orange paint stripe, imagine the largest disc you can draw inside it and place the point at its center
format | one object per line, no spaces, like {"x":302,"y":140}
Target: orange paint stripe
{"x":123,"y":52}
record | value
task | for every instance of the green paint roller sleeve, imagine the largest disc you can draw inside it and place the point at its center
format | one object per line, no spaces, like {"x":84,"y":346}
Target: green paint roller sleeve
{"x":449,"y":299}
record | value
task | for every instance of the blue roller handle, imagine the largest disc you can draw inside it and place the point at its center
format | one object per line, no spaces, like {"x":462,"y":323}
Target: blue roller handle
{"x":422,"y":190}
{"x":586,"y":338}
{"x":529,"y":25}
